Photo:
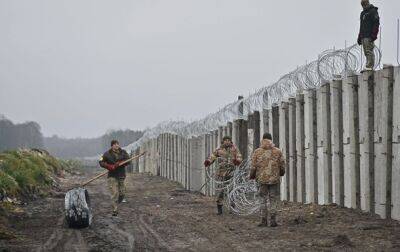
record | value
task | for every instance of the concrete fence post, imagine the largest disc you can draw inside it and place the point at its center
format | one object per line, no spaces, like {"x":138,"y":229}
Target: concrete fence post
{"x":351,"y":139}
{"x":383,"y":131}
{"x":179,"y":161}
{"x":265,"y":122}
{"x":176,"y":158}
{"x":257,"y":129}
{"x":284,"y":145}
{"x":310,"y":138}
{"x":208,"y":150}
{"x":225,"y":130}
{"x":292,"y":151}
{"x":161,"y":146}
{"x":366,"y":115}
{"x":196,"y":163}
{"x":337,"y":142}
{"x":158,"y":155}
{"x":300,"y":149}
{"x":188,"y":162}
{"x":250,"y":134}
{"x":324,"y":145}
{"x":274,"y":124}
{"x":240,"y":136}
{"x":169,"y":158}
{"x":164,"y":167}
{"x":216,"y":142}
{"x":395,"y":197}
{"x":229,"y":127}
{"x":220,"y":134}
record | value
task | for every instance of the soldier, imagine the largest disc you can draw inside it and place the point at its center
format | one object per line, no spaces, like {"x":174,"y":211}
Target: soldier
{"x":227,"y":156}
{"x":116,"y":175}
{"x":268,"y":165}
{"x":369,"y":28}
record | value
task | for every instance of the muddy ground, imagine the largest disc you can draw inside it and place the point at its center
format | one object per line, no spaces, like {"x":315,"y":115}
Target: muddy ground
{"x":161,"y":216}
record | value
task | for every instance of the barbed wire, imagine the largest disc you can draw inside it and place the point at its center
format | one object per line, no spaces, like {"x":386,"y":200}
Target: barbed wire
{"x":242,"y":192}
{"x":329,"y":64}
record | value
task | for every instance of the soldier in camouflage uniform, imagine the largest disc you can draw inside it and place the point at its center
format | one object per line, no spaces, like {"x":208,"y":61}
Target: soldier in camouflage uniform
{"x":268,"y":165}
{"x":228,"y":157}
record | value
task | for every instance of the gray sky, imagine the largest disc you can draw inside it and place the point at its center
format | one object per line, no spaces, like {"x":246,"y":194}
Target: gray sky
{"x":80,"y":67}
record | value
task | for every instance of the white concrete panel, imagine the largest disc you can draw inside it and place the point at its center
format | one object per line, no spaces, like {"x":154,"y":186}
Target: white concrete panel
{"x":310,"y":139}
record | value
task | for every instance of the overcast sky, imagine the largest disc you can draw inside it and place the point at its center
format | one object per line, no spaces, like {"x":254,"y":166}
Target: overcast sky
{"x":81,"y":67}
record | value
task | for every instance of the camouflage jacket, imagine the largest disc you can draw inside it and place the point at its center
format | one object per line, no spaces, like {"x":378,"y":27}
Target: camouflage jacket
{"x":268,"y":163}
{"x":225,"y":157}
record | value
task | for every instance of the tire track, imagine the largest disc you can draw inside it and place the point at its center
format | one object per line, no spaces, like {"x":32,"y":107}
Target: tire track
{"x":156,"y":236}
{"x":55,"y":237}
{"x":130,"y":238}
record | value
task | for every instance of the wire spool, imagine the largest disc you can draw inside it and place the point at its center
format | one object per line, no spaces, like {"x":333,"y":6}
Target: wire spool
{"x":78,"y":213}
{"x":242,"y":192}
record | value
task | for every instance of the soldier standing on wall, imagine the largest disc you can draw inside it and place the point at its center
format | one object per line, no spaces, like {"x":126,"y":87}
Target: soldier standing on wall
{"x":268,"y":165}
{"x":227,"y":156}
{"x":116,"y":175}
{"x":369,"y":28}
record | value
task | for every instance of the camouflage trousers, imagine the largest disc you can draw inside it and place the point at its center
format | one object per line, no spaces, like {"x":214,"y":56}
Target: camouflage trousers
{"x":221,"y":190}
{"x":117,"y":189}
{"x":269,"y":199}
{"x":368,"y":46}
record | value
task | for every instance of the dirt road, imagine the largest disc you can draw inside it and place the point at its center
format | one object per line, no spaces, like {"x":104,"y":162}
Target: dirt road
{"x":161,"y":216}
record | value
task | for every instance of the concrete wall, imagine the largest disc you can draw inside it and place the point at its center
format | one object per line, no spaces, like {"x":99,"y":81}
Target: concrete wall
{"x":341,"y":144}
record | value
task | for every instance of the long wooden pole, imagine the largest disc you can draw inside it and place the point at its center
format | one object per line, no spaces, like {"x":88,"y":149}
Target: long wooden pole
{"x":104,"y":173}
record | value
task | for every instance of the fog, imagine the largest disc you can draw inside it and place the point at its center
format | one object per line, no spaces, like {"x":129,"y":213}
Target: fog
{"x":79,"y":68}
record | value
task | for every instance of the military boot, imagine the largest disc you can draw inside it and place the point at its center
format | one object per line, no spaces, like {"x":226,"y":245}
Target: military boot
{"x":219,"y":208}
{"x":264,"y":222}
{"x":273,"y":220}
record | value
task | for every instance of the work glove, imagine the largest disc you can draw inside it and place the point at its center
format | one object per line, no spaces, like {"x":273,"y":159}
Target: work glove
{"x":236,"y":162}
{"x":110,"y":167}
{"x":207,"y":163}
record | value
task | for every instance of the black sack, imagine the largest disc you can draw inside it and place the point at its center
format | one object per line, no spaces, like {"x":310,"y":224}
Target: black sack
{"x":77,"y":208}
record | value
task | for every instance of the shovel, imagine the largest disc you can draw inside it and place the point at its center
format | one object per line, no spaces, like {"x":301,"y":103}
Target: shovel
{"x":77,"y":203}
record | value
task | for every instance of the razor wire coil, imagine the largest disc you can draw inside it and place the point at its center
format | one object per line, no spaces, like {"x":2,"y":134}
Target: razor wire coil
{"x":330,"y":64}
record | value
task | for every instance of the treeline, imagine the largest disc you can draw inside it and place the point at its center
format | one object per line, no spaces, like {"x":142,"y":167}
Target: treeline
{"x":23,"y":135}
{"x":87,"y":147}
{"x":28,"y":135}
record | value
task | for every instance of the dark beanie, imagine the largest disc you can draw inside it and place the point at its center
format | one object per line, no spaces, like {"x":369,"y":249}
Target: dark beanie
{"x":114,"y":142}
{"x":267,"y":136}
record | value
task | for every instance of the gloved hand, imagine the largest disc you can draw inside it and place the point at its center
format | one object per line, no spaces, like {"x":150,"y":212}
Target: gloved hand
{"x":110,"y":167}
{"x":237,"y":162}
{"x":207,"y":163}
